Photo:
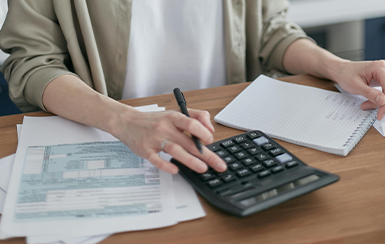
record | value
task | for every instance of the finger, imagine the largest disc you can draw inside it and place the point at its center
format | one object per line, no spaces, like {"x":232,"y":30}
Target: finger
{"x":163,"y":164}
{"x":207,"y":156}
{"x":203,"y":117}
{"x":368,"y":105}
{"x":381,"y":113}
{"x":194,"y":127}
{"x":379,"y":72}
{"x":187,"y":159}
{"x":213,"y":160}
{"x":374,"y":95}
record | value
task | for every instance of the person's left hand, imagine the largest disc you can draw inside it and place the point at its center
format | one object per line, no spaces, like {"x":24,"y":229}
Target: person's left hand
{"x":355,"y":77}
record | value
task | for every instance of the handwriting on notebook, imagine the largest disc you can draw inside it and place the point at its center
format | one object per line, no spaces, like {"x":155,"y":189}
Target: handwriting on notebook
{"x":346,"y":109}
{"x":308,"y":116}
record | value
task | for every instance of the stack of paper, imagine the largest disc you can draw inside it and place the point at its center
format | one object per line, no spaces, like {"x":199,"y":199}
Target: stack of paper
{"x":71,"y":183}
{"x":5,"y":174}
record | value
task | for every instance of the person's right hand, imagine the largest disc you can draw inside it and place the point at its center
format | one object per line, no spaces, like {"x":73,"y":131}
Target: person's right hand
{"x":355,"y":78}
{"x":70,"y":98}
{"x":144,"y":133}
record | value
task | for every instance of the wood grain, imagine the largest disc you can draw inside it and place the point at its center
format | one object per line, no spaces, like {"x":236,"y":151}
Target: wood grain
{"x":349,"y":211}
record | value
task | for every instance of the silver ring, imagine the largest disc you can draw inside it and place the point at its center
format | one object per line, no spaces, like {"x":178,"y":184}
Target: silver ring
{"x":164,"y":144}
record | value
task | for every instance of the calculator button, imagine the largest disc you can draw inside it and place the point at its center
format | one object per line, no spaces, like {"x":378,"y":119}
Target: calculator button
{"x":214,"y":147}
{"x":227,"y":143}
{"x":248,"y":161}
{"x":234,"y":149}
{"x":240,"y":139}
{"x":235,"y":166}
{"x":269,"y":163}
{"x":228,"y":159}
{"x":254,"y":150}
{"x":262,"y":156}
{"x":254,"y":135}
{"x":264,"y":173}
{"x":209,"y":170}
{"x":240,"y":155}
{"x":223,"y":173}
{"x":276,"y":151}
{"x":221,"y":153}
{"x":207,"y":176}
{"x":246,"y":145}
{"x":243,"y":172}
{"x":284,"y":158}
{"x":268,"y":146}
{"x":260,"y":140}
{"x":277,"y":169}
{"x":214,"y":182}
{"x":228,"y":177}
{"x":256,"y":167}
{"x":291,"y":164}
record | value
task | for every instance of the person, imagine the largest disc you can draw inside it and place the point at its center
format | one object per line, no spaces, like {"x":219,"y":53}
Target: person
{"x":75,"y":58}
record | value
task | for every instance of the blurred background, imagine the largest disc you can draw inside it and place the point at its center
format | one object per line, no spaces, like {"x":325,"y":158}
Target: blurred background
{"x":352,"y":29}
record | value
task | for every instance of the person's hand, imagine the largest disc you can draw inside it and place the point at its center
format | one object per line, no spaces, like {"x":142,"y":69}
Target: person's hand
{"x":144,"y":134}
{"x":355,"y":77}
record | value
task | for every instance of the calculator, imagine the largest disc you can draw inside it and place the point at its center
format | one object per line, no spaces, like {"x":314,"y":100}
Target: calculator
{"x":261,"y":174}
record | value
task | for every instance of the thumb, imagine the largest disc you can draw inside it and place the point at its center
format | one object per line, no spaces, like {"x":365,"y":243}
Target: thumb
{"x":373,"y":95}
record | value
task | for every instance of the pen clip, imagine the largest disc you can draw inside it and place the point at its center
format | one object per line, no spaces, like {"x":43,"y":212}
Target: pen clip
{"x":184,"y":99}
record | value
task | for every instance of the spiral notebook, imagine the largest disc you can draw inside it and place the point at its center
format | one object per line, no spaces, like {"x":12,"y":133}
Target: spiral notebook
{"x":325,"y":120}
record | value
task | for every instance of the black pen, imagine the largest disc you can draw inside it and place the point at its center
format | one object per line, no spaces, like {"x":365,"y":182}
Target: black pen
{"x":182,"y":104}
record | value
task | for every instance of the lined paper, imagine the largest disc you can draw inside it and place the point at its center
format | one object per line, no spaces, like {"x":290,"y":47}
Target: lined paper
{"x":325,"y":120}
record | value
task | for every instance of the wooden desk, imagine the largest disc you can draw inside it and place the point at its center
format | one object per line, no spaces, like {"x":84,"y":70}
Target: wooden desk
{"x":349,"y":211}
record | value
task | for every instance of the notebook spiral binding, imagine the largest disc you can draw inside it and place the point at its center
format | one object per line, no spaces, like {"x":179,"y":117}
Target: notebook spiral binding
{"x":364,"y":126}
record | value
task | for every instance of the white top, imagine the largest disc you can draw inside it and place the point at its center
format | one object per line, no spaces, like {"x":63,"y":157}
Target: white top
{"x":175,"y":43}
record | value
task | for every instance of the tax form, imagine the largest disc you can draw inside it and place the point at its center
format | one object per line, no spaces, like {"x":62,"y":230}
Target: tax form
{"x":187,"y":205}
{"x":5,"y":172}
{"x":66,"y":183}
{"x":87,"y":180}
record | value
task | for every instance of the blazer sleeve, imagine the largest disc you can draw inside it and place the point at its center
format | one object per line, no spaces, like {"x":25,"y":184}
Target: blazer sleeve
{"x":277,"y":33}
{"x":38,"y":52}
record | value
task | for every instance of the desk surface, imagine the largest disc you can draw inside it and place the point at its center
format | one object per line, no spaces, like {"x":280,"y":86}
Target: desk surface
{"x":349,"y":211}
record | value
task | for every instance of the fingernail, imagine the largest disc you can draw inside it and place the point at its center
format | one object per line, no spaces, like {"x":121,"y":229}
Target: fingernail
{"x":380,"y":100}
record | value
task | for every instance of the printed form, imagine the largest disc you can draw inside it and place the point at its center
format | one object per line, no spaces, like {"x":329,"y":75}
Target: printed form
{"x":72,"y":180}
{"x":86,"y":180}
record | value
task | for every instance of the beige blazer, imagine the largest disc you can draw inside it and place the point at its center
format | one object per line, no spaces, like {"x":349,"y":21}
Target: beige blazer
{"x":89,"y":38}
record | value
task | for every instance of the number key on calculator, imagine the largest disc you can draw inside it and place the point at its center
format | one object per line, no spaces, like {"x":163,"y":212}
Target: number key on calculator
{"x":261,"y":174}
